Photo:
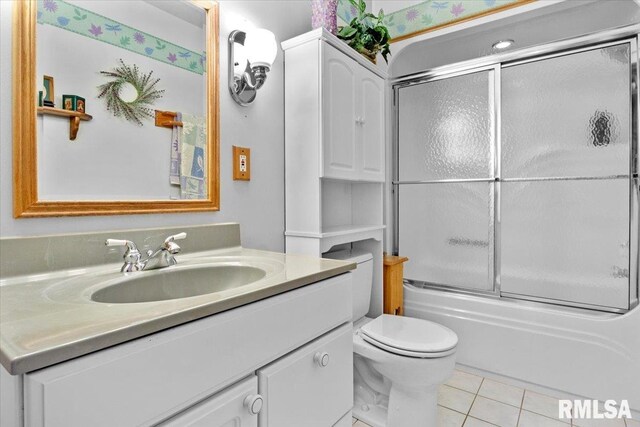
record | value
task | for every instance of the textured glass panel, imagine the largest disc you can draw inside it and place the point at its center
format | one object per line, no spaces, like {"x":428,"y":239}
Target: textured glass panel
{"x":567,"y":116}
{"x":445,"y":129}
{"x":446,"y":231}
{"x":567,"y":240}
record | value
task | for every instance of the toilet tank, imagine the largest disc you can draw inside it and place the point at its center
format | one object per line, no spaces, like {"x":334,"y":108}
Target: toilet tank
{"x":362,"y":278}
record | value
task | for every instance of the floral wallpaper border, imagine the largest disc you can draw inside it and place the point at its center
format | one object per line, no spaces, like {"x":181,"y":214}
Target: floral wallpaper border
{"x":430,"y":14}
{"x":81,"y":21}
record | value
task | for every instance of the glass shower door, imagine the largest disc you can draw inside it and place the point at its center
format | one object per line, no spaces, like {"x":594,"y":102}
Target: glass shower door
{"x":565,"y":161}
{"x":445,"y":180}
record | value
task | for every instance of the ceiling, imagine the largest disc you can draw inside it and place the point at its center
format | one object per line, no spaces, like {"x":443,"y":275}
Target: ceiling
{"x":560,"y":21}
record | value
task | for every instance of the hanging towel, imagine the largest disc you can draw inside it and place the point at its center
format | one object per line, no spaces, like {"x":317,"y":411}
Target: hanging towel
{"x":176,"y":142}
{"x":193,"y":152}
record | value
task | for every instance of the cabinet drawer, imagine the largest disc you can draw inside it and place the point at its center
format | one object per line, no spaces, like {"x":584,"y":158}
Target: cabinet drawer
{"x":227,"y":408}
{"x":299,"y":391}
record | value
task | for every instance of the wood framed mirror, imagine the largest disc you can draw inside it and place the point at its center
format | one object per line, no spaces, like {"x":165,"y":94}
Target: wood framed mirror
{"x":29,"y":199}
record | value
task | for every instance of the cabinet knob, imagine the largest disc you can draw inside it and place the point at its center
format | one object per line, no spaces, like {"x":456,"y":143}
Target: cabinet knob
{"x":253,"y":403}
{"x":321,"y":358}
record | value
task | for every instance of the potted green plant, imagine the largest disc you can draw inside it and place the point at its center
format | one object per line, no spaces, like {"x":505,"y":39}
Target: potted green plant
{"x":366,"y":33}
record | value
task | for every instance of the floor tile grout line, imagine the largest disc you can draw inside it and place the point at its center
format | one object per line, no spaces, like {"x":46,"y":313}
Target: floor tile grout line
{"x":472,"y":402}
{"x":546,"y":416}
{"x":504,"y":383}
{"x":461,"y":389}
{"x":569,"y":424}
{"x":524,"y":392}
{"x":452,"y":410}
{"x":500,"y":401}
{"x":495,"y":400}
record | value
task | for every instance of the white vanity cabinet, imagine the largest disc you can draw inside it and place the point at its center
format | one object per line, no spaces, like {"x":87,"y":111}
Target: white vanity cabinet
{"x":311,"y":386}
{"x":204,"y":372}
{"x":238,"y":406}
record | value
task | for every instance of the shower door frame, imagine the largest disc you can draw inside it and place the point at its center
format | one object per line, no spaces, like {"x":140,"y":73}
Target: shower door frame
{"x":494,"y":64}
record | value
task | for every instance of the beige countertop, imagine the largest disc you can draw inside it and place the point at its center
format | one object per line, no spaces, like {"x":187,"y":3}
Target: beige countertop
{"x":49,"y":317}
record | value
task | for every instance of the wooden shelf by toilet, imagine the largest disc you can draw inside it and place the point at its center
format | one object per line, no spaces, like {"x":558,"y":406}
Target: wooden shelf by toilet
{"x":393,"y":292}
{"x":74,"y":118}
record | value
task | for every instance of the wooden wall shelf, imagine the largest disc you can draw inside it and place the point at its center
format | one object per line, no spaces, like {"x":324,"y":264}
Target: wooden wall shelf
{"x":74,"y":118}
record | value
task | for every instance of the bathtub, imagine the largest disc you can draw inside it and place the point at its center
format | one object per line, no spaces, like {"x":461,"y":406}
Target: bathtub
{"x":578,"y":352}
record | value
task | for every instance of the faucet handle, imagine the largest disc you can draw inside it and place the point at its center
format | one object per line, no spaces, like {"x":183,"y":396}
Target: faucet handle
{"x":131,"y":255}
{"x":171,"y":246}
{"x":178,"y":236}
{"x":118,"y":242}
{"x":132,"y":249}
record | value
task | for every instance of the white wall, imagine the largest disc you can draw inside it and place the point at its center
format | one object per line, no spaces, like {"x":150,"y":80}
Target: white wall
{"x":257,"y":205}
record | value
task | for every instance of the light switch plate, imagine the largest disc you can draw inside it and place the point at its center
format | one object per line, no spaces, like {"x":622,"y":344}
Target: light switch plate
{"x":241,"y":163}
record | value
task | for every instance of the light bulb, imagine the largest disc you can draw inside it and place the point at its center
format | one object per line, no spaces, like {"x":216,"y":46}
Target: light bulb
{"x":261,"y":47}
{"x":502,"y":44}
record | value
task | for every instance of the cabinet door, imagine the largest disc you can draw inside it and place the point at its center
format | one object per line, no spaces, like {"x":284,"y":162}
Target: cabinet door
{"x":371,"y":135}
{"x":236,"y":406}
{"x":312,"y":386}
{"x":338,"y":114}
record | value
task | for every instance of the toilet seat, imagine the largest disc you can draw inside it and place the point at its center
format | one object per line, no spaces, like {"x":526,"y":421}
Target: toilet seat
{"x":408,"y":336}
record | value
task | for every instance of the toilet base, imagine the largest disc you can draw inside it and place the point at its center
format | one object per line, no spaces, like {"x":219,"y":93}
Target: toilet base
{"x":370,"y":395}
{"x":375,"y":416}
{"x":397,"y":391}
{"x":404,"y":408}
{"x":409,"y":408}
{"x":392,"y":390}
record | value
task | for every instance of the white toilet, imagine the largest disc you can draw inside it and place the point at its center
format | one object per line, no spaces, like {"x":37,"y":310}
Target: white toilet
{"x":399,"y":362}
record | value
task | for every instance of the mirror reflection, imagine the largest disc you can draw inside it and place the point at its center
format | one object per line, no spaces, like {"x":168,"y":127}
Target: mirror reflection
{"x":130,"y":76}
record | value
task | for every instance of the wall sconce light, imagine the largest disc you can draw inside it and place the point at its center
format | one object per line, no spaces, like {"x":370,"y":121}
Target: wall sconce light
{"x":251,"y":55}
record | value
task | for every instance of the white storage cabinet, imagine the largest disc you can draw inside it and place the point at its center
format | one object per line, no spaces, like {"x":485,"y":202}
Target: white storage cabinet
{"x":334,"y":150}
{"x":352,"y":106}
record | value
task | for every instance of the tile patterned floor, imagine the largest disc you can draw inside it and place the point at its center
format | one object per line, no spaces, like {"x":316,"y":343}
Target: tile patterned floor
{"x":473,"y":401}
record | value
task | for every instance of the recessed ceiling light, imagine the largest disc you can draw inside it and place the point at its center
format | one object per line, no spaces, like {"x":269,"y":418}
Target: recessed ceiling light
{"x":502,"y":44}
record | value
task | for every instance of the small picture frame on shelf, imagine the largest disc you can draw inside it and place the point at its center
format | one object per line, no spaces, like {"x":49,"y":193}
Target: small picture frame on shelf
{"x":48,"y":96}
{"x":73,"y":103}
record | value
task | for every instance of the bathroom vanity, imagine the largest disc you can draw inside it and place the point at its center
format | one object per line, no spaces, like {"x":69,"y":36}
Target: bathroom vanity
{"x":240,"y":355}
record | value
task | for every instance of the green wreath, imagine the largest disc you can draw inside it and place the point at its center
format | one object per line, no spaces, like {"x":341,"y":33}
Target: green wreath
{"x":137,"y":109}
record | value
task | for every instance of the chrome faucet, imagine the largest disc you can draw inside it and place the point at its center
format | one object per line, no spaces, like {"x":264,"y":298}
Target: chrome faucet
{"x":160,"y":258}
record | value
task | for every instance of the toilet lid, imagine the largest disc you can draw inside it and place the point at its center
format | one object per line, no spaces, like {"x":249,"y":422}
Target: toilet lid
{"x":409,"y":336}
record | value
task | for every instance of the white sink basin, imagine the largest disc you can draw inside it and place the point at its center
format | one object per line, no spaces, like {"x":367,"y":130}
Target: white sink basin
{"x":174,"y":283}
